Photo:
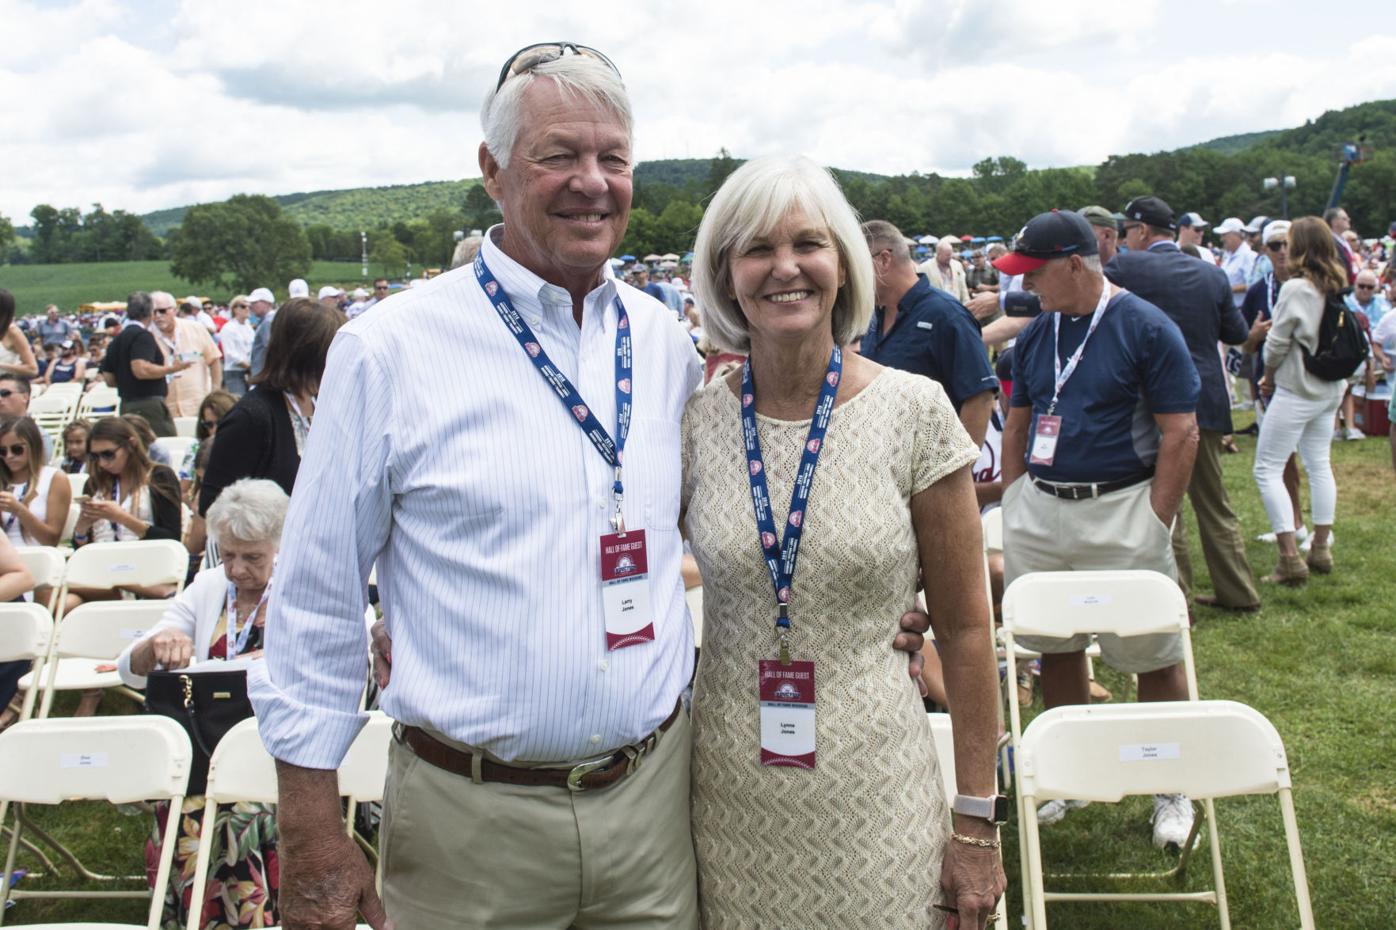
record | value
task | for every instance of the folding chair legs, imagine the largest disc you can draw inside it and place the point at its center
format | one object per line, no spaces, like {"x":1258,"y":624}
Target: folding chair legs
{"x":206,"y":828}
{"x":1296,"y":860}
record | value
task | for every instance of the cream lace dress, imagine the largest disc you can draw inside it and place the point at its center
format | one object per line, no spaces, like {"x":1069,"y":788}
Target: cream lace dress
{"x":858,"y":841}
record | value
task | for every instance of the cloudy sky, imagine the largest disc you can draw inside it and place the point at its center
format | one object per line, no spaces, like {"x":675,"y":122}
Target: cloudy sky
{"x":157,"y":103}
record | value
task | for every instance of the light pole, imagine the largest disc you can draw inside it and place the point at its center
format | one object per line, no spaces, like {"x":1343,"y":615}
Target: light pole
{"x":363,"y":244}
{"x":1285,"y":185}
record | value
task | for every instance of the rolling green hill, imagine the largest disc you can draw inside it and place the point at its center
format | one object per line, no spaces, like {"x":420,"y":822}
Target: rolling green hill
{"x":354,"y":208}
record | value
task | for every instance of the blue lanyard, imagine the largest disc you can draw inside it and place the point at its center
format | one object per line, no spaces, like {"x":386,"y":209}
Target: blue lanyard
{"x":116,"y":496}
{"x":613,"y":451}
{"x":780,"y":554}
{"x":19,"y":497}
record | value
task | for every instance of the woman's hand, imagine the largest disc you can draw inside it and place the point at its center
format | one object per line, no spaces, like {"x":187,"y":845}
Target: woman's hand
{"x":94,"y":510}
{"x":973,"y":880}
{"x":382,"y":654}
{"x":171,"y":649}
{"x":9,"y":503}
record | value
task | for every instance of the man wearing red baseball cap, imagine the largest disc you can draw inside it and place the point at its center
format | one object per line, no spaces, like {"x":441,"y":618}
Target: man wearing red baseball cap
{"x":1097,"y":451}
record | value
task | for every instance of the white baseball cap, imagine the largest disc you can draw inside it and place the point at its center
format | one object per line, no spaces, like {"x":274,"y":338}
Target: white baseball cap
{"x":329,"y":290}
{"x":262,"y":294}
{"x":298,"y":288}
{"x":359,"y":293}
{"x":1231,"y":224}
{"x":1194,"y":220}
{"x":1276,"y":229}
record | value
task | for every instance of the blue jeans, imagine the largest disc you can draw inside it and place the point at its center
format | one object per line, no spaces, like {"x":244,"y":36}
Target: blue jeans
{"x":235,"y":381}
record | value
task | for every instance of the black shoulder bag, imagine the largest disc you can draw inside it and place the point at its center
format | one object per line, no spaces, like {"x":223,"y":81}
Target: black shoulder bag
{"x":206,"y":704}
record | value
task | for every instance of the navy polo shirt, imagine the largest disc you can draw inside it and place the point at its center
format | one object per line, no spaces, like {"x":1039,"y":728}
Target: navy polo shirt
{"x":1135,"y":365}
{"x":933,"y":335}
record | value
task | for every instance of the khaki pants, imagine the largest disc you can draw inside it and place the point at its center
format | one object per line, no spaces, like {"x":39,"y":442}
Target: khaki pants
{"x":457,"y":854}
{"x":1119,"y":530}
{"x":1223,"y":547}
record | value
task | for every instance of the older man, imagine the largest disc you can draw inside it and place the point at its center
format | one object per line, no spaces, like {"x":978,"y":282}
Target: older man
{"x":1097,"y":449}
{"x":263,"y":311}
{"x":1366,"y":298}
{"x":540,"y":772}
{"x":920,"y":329}
{"x":945,"y":272}
{"x":1237,"y":257}
{"x":183,"y":339}
{"x":135,"y":366}
{"x":1197,"y":299}
{"x":1106,"y":229}
{"x":52,"y":329}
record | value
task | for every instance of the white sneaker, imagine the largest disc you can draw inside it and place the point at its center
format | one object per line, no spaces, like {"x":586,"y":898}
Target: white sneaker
{"x":1307,"y":541}
{"x":1300,"y":534}
{"x":1172,"y":821}
{"x":1053,"y":811}
{"x":1354,"y":433}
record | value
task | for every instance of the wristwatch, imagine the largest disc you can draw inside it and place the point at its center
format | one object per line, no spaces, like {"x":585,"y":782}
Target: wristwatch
{"x":993,"y":808}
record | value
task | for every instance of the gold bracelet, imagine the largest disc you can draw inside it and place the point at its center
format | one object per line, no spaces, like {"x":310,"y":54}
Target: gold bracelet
{"x":974,"y":841}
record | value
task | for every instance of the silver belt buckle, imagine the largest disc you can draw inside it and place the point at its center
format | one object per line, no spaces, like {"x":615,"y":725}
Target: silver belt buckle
{"x":583,"y":769}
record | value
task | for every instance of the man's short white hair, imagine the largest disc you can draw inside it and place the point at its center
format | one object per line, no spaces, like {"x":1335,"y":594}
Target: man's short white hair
{"x":252,"y":510}
{"x":163,"y":299}
{"x":501,"y":114}
{"x":753,"y":201}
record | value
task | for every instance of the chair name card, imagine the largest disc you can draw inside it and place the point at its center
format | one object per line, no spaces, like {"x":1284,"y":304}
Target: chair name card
{"x":82,"y":760}
{"x":1150,"y":752}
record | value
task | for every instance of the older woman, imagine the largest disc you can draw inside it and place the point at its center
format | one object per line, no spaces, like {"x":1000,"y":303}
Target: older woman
{"x":221,"y":615}
{"x":837,"y":811}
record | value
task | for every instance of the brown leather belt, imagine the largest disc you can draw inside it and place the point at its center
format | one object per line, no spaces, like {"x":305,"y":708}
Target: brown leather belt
{"x":587,"y":775}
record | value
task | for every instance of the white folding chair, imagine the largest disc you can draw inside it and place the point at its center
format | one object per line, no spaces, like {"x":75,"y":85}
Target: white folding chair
{"x":134,"y":563}
{"x":1206,"y":749}
{"x":88,"y":640}
{"x":46,"y":564}
{"x":99,"y":401}
{"x":1125,"y":603}
{"x":70,"y":526}
{"x":694,"y":597}
{"x":121,"y":760}
{"x":241,"y":769}
{"x":25,"y":633}
{"x":78,"y":480}
{"x":944,"y":736}
{"x":176,"y":447}
{"x":186,"y":427}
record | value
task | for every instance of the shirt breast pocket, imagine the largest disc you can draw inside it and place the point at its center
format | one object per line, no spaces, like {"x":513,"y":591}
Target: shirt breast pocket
{"x":652,"y":473}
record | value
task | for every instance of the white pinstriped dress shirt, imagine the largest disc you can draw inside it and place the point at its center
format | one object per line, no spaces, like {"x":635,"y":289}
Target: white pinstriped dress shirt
{"x":440,"y":452}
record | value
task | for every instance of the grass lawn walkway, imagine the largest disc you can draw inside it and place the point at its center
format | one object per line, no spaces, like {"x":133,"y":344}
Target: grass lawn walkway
{"x":1319,"y":661}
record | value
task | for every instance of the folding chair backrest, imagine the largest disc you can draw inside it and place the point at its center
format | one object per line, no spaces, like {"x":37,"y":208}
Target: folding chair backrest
{"x":137,"y":562}
{"x":70,"y":525}
{"x":1126,"y":603}
{"x":186,"y":426}
{"x":78,"y":480}
{"x":176,"y":447}
{"x":45,"y":563}
{"x":944,"y":737}
{"x":53,"y":403}
{"x":1204,"y":749}
{"x":992,"y":523}
{"x":241,"y":769}
{"x":116,"y":759}
{"x":65,"y":387}
{"x":24,"y":631}
{"x":365,"y":766}
{"x":103,"y":629}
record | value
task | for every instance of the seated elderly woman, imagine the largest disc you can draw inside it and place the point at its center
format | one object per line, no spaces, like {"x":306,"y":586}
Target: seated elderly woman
{"x":221,"y":616}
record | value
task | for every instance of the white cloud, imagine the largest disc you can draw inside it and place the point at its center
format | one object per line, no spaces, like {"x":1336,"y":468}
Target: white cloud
{"x":144,"y":106}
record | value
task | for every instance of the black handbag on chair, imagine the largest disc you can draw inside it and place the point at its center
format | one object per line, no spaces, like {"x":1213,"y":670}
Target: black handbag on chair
{"x":205,"y":704}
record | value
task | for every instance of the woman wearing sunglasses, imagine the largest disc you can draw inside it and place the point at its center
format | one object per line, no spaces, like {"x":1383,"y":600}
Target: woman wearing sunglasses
{"x":131,"y":498}
{"x":33,"y":506}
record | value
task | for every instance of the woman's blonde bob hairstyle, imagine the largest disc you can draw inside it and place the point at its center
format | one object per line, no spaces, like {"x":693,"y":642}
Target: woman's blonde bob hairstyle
{"x":755,"y":199}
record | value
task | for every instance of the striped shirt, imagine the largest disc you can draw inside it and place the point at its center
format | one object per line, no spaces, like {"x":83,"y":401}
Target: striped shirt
{"x":450,"y":462}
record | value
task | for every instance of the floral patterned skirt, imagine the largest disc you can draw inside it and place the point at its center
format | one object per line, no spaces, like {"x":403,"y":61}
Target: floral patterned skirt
{"x":243,"y":869}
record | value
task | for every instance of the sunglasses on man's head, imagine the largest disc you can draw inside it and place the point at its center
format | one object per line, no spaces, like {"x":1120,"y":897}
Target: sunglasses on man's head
{"x":16,"y":449}
{"x":106,"y":455}
{"x":531,"y":56}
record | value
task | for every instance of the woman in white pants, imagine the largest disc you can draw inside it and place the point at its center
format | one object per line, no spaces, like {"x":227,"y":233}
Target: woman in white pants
{"x":1300,"y":413}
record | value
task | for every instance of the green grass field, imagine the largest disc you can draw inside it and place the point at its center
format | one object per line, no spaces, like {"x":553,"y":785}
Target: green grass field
{"x":68,"y":286}
{"x":1319,"y":661}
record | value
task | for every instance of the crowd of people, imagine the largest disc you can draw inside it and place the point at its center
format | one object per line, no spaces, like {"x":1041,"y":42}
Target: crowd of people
{"x":536,"y":646}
